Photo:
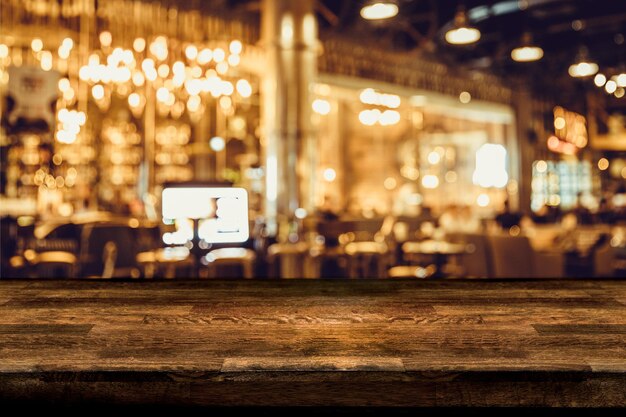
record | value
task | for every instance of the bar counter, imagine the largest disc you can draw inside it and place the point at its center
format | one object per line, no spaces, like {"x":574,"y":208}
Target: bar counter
{"x":332,"y":343}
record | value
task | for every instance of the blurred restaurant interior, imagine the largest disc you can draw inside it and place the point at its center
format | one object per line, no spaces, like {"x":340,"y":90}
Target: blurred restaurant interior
{"x":312,"y":138}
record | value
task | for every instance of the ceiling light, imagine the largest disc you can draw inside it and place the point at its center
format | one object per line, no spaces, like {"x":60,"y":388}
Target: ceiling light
{"x":527,"y":52}
{"x":583,"y":69}
{"x":379,"y":10}
{"x":462,"y":33}
{"x":584,"y":66}
{"x":621,"y":80}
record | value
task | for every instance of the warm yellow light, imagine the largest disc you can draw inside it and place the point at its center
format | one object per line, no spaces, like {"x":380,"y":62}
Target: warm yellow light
{"x":244,"y":88}
{"x":193,"y":103}
{"x":321,"y":106}
{"x":105,"y":38}
{"x":369,"y":96}
{"x":619,"y":93}
{"x":191,"y":52}
{"x":222,"y":68}
{"x":163,"y":70}
{"x":451,"y":176}
{"x":64,"y":84}
{"x":217,"y":144}
{"x":434,"y":158}
{"x":139,"y":44}
{"x":138,"y":79}
{"x":559,"y":123}
{"x":162,"y":94}
{"x":430,"y":181}
{"x":158,"y":48}
{"x":235,"y":47}
{"x":380,"y":10}
{"x":621,"y":80}
{"x":36,"y":45}
{"x":4,"y":50}
{"x":527,"y":54}
{"x":46,"y":60}
{"x":219,"y":55}
{"x":147,"y":64}
{"x":541,"y":166}
{"x":227,"y":88}
{"x":178,"y":68}
{"x":97,"y":91}
{"x":389,"y":117}
{"x":68,"y":95}
{"x":483,"y":200}
{"x":465,"y":97}
{"x":610,"y":86}
{"x":603,"y":164}
{"x":63,"y":53}
{"x":462,"y":36}
{"x":390,"y":183}
{"x":233,"y":60}
{"x":329,"y":175}
{"x":583,"y":69}
{"x":151,"y":74}
{"x":205,"y":56}
{"x":599,"y":80}
{"x":67,"y":43}
{"x":134,"y":100}
{"x":369,"y":117}
{"x":225,"y":102}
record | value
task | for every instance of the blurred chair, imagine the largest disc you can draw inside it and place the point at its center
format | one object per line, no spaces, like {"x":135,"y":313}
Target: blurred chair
{"x":240,"y":258}
{"x":604,"y":260}
{"x":477,"y":262}
{"x":108,"y":251}
{"x":514,"y":257}
{"x":8,"y":246}
{"x":49,"y":264}
{"x":367,"y":259}
{"x":371,"y":258}
{"x":291,"y":260}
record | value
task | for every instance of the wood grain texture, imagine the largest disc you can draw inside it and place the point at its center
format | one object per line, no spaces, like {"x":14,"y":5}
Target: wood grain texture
{"x":339,"y":343}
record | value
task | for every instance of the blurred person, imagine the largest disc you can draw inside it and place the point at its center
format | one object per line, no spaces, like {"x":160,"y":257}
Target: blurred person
{"x":507,"y":219}
{"x":606,"y":211}
{"x":582,"y":213}
{"x":326,"y":211}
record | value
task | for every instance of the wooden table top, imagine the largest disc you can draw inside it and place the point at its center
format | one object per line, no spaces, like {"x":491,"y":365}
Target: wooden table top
{"x":313,"y":342}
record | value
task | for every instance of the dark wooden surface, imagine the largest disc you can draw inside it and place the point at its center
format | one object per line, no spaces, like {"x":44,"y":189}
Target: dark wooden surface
{"x":338,"y":343}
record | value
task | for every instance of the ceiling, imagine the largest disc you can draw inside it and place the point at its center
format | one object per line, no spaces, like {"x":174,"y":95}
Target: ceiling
{"x":560,"y":27}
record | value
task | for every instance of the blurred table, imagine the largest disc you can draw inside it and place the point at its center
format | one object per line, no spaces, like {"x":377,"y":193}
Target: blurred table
{"x":166,"y":261}
{"x":439,"y":250}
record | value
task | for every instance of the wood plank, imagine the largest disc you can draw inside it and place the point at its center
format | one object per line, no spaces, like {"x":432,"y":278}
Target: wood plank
{"x":601,"y":329}
{"x":341,"y":343}
{"x":54,"y":329}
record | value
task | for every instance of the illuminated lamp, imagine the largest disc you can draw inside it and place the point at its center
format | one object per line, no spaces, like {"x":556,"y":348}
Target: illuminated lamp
{"x":379,"y":10}
{"x":527,"y":52}
{"x":462,"y":33}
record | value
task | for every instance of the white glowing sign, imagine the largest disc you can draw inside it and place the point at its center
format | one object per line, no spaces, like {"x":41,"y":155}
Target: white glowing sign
{"x":223,"y":212}
{"x":491,"y":166}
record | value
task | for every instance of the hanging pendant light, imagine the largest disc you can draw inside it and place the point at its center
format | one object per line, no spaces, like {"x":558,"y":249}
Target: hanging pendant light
{"x":584,"y":67}
{"x":378,"y":10}
{"x":462,"y":33}
{"x":527,"y":51}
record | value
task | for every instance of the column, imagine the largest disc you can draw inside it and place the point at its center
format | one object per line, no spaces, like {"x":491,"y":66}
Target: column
{"x":289,"y":33}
